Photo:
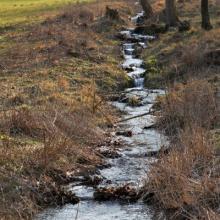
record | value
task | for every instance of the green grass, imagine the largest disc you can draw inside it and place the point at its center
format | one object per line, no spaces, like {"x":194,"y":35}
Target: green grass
{"x":13,"y":12}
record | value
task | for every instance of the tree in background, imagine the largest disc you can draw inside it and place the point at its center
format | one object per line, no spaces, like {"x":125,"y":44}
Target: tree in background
{"x":147,"y":8}
{"x":171,"y":13}
{"x":206,"y":24}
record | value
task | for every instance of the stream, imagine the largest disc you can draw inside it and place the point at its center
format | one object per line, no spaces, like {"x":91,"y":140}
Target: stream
{"x":133,"y":164}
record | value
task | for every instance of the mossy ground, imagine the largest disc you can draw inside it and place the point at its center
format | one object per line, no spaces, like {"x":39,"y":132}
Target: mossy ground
{"x":180,"y":54}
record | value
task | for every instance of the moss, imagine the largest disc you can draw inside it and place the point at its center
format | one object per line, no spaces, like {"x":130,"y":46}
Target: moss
{"x":153,"y":76}
{"x":216,"y":138}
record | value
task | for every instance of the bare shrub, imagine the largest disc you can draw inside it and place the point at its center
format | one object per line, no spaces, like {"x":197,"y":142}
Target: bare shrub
{"x":84,"y":14}
{"x":77,"y":124}
{"x":184,"y":180}
{"x":193,"y":55}
{"x":25,"y":122}
{"x":185,"y":105}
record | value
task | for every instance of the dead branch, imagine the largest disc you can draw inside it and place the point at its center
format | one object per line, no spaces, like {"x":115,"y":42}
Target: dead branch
{"x":137,"y":116}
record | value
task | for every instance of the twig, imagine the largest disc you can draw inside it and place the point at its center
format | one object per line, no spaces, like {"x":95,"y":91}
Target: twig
{"x":55,"y":118}
{"x":137,"y":116}
{"x":77,"y":212}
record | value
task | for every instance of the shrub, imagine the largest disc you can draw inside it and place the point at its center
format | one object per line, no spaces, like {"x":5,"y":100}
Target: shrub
{"x":185,"y":180}
{"x":187,"y":105}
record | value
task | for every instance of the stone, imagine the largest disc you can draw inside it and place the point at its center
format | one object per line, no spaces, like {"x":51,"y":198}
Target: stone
{"x":184,"y":26}
{"x":124,"y":133}
{"x":95,"y":180}
{"x":134,"y":101}
{"x":109,"y":153}
{"x":50,"y":194}
{"x":212,"y":57}
{"x":148,"y":198}
{"x":124,"y":193}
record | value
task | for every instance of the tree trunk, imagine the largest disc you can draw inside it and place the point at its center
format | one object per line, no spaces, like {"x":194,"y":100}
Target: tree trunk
{"x":205,"y":15}
{"x":171,"y":13}
{"x":147,"y":8}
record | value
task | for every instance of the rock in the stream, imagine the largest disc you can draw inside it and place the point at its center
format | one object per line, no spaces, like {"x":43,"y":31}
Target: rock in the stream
{"x":138,"y":50}
{"x":109,"y":153}
{"x":104,"y":166}
{"x":162,"y":151}
{"x":148,"y":198}
{"x":151,"y":29}
{"x":134,"y":101}
{"x":124,"y":133}
{"x":123,"y":99}
{"x":124,"y":193}
{"x":51,"y":194}
{"x":114,"y":97}
{"x":127,"y":36}
{"x":65,"y":197}
{"x":152,"y":154}
{"x":153,"y":126}
{"x":140,"y":20}
{"x":95,"y":180}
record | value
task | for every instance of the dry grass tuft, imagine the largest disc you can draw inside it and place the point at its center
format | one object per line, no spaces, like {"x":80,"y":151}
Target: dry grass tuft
{"x":36,"y":143}
{"x":187,"y":105}
{"x":185,"y":180}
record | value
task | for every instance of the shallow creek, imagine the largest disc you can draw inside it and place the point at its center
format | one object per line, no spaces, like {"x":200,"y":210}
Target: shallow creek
{"x":133,"y":165}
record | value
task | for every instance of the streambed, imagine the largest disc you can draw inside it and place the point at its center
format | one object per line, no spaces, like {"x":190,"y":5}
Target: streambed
{"x":133,"y":164}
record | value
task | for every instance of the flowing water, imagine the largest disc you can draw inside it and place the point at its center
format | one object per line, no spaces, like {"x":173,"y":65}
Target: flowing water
{"x":133,"y":165}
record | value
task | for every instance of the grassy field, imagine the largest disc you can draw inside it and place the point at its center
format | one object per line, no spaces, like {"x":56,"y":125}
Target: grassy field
{"x":17,"y":11}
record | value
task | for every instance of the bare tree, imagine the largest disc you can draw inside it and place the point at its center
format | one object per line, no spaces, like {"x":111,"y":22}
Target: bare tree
{"x":147,"y":8}
{"x":171,"y":13}
{"x":206,"y":24}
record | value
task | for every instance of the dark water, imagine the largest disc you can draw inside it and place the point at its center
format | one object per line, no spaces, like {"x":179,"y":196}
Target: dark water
{"x":132,"y":167}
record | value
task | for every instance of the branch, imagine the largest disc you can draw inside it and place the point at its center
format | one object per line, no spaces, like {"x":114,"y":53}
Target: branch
{"x":137,"y":116}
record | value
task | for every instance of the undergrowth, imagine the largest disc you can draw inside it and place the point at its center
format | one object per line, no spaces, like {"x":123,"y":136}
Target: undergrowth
{"x":185,"y":181}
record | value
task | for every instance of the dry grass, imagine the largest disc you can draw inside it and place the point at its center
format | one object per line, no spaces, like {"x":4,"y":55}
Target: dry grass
{"x":64,"y":36}
{"x":186,"y":180}
{"x":186,"y":105}
{"x":36,"y":142}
